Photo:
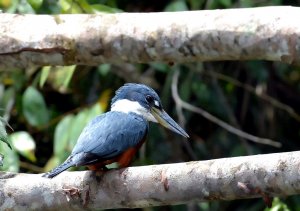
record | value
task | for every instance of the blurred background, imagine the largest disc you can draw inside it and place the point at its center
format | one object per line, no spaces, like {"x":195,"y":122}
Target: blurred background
{"x":48,"y":107}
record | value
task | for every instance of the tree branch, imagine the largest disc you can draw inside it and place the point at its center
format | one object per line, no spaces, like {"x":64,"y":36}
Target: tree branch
{"x":220,"y":179}
{"x":231,"y":34}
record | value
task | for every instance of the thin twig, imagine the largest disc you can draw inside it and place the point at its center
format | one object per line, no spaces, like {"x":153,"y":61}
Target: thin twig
{"x":182,"y":122}
{"x":228,"y":109}
{"x":217,"y":121}
{"x":181,"y":118}
{"x":31,"y":167}
{"x":5,"y":123}
{"x":252,"y":90}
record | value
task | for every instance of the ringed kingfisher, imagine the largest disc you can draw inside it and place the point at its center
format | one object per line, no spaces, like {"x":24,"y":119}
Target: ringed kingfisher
{"x":116,"y":136}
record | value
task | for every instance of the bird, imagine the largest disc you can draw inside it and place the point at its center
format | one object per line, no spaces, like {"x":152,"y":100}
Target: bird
{"x":116,"y":135}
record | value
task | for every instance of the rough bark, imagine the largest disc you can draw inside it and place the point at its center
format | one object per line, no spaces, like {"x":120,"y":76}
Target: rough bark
{"x":231,"y":34}
{"x":220,"y":179}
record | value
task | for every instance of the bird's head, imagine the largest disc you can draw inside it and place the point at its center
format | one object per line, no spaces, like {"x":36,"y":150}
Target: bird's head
{"x":144,"y":101}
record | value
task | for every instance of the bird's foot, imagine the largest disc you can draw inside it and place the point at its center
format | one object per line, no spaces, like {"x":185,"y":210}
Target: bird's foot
{"x":101,"y":171}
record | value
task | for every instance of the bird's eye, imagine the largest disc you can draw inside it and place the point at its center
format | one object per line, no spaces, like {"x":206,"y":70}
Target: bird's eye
{"x":152,"y":101}
{"x":149,"y":99}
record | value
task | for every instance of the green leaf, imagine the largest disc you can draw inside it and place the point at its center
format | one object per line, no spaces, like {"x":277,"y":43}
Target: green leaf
{"x":103,"y":8}
{"x":196,"y":4}
{"x":35,"y":4}
{"x":7,"y":98}
{"x":238,"y":150}
{"x":69,"y":71}
{"x":86,"y":7}
{"x":63,"y":76}
{"x":3,"y":134}
{"x":1,"y":159}
{"x":11,"y":162}
{"x":44,"y":75}
{"x":62,"y":135}
{"x":94,"y":111}
{"x":226,"y":3}
{"x":246,"y":3}
{"x":278,"y":205}
{"x":23,"y":7}
{"x":9,"y":6}
{"x":24,"y":144}
{"x":162,"y":67}
{"x":34,"y":107}
{"x":80,"y":120}
{"x":104,"y":69}
{"x":69,"y":6}
{"x":52,"y":162}
{"x":178,"y":5}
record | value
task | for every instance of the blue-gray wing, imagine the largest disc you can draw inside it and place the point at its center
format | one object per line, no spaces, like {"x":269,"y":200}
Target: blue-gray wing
{"x":110,"y":134}
{"x":104,"y":138}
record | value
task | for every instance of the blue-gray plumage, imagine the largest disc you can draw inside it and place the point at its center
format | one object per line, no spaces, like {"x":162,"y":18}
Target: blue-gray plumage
{"x":116,"y":135}
{"x":109,"y":143}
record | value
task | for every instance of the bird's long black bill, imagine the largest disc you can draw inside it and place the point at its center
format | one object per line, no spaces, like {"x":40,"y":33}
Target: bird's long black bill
{"x":165,"y":120}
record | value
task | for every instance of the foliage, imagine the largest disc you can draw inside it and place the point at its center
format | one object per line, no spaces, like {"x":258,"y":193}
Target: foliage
{"x":3,"y":137}
{"x":24,"y":144}
{"x":3,"y":133}
{"x":278,"y":205}
{"x":49,"y":107}
{"x":34,"y":107}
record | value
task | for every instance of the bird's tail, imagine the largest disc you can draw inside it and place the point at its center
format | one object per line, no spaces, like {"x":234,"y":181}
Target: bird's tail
{"x":64,"y":166}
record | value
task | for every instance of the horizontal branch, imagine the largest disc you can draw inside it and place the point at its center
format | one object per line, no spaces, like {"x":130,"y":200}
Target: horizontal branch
{"x":230,"y":34}
{"x":220,"y":179}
